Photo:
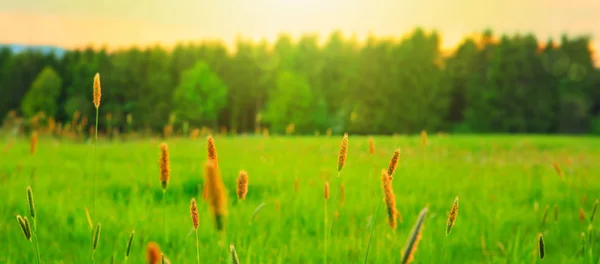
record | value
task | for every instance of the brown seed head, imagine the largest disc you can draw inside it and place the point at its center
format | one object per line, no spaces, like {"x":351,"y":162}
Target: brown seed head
{"x":242,"y":185}
{"x":194,"y":213}
{"x":557,"y":169}
{"x":215,"y":193}
{"x":581,"y":215}
{"x":326,"y":190}
{"x":33,"y":144}
{"x":343,"y":153}
{"x":153,"y":253}
{"x":452,"y":216}
{"x":371,"y":146}
{"x":212,"y":150}
{"x":97,"y":90}
{"x":165,"y":168}
{"x":393,"y":163}
{"x":424,"y":137}
{"x":390,"y":199}
{"x":296,"y":185}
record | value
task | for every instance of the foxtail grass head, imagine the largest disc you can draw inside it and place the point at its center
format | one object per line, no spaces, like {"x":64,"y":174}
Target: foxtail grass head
{"x":541,"y":246}
{"x":96,"y":237}
{"x":129,"y":243}
{"x":153,"y":253}
{"x":343,"y":153}
{"x":545,"y":215}
{"x":452,"y":216}
{"x":242,"y":185}
{"x":25,"y":226}
{"x":414,"y":238}
{"x":390,"y":199}
{"x":165,"y":169}
{"x":393,"y":163}
{"x":234,"y":256}
{"x":215,"y":194}
{"x":326,"y":190}
{"x":89,"y":219}
{"x":424,"y":137}
{"x":212,"y":150}
{"x":97,"y":90}
{"x":557,"y":169}
{"x":594,"y":209}
{"x":31,"y":202}
{"x":371,"y":146}
{"x":194,"y":214}
{"x":33,"y":143}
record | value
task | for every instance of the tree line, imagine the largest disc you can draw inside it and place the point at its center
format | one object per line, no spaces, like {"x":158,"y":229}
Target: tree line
{"x":506,"y":84}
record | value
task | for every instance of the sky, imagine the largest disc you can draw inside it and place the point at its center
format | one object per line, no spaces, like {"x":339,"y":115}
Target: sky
{"x":123,"y":23}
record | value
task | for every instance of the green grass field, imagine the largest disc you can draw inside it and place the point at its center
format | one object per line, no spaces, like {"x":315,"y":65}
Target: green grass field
{"x":504,"y":184}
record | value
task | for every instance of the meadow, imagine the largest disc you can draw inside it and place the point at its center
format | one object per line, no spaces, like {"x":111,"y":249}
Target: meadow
{"x":505,"y":185}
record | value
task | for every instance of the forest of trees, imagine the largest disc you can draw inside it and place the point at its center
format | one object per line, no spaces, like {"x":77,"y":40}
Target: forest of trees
{"x":500,"y":84}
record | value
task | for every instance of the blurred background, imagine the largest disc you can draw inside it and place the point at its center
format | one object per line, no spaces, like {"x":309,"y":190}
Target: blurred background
{"x":301,"y":66}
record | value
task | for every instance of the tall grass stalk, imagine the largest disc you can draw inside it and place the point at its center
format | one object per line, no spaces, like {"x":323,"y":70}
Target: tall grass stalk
{"x":95,"y":165}
{"x":164,"y":200}
{"x":326,"y":231}
{"x":197,"y":247}
{"x":328,"y":234}
{"x":97,"y":93}
{"x":32,"y":213}
{"x":374,"y":220}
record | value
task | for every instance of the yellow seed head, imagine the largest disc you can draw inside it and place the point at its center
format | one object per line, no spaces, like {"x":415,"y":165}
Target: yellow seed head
{"x":165,"y":168}
{"x":212,"y":150}
{"x":89,"y":219}
{"x":557,"y":169}
{"x":393,"y":163}
{"x":371,"y":146}
{"x":390,"y":199}
{"x":452,"y":216}
{"x":97,"y":90}
{"x":326,"y":190}
{"x":33,"y":144}
{"x":343,"y":153}
{"x":194,"y":214}
{"x":424,"y":137}
{"x":242,"y":185}
{"x":215,"y":194}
